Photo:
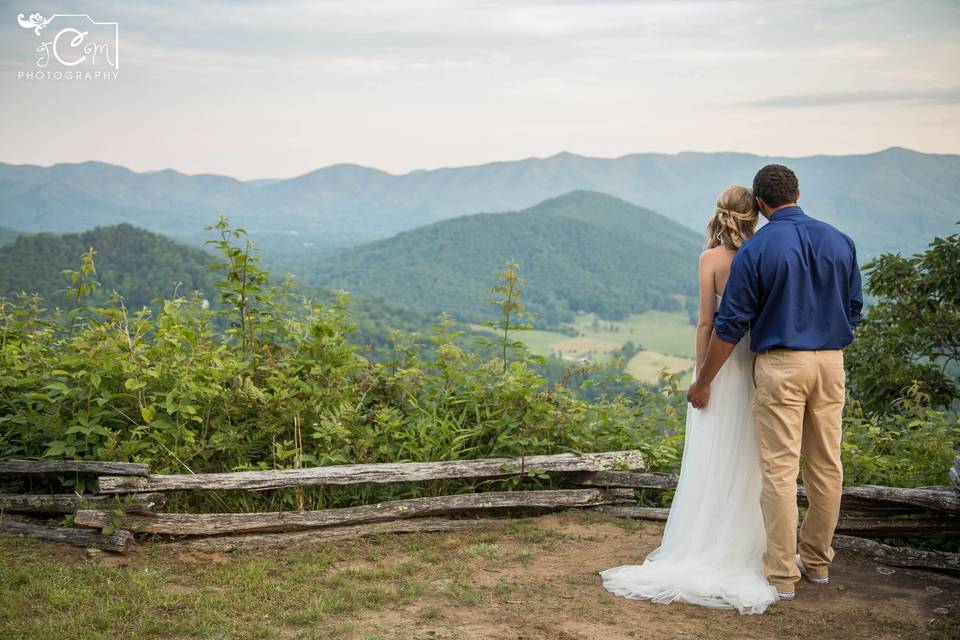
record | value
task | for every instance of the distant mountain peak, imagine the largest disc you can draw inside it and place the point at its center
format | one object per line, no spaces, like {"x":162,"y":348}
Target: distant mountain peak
{"x":581,"y":194}
{"x":343,"y":168}
{"x":899,"y":151}
{"x":584,"y":197}
{"x":579,"y":251}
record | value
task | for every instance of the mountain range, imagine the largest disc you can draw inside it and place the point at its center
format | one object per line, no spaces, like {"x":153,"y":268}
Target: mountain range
{"x":582,"y":251}
{"x":893,"y":200}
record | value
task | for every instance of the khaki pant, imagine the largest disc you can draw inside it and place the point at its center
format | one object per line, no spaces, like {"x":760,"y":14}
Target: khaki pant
{"x":797,"y":408}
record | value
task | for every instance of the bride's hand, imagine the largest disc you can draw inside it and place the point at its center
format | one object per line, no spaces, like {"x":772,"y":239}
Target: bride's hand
{"x":698,"y":394}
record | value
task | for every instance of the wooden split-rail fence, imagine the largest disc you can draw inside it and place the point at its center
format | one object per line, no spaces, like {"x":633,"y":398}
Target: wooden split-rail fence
{"x":604,"y":482}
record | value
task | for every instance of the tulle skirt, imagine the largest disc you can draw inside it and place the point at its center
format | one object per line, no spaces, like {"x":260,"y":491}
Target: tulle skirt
{"x":713,"y":543}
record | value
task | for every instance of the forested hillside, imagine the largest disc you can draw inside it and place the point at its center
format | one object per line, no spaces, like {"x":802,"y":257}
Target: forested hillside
{"x":139,"y":264}
{"x":142,"y":266}
{"x":583,"y":251}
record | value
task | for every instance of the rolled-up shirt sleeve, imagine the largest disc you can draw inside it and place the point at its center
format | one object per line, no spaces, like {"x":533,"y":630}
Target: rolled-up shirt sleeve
{"x":740,"y":300}
{"x":856,"y":294}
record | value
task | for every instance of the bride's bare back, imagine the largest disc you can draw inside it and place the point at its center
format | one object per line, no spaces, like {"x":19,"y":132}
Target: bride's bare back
{"x":714,"y":271}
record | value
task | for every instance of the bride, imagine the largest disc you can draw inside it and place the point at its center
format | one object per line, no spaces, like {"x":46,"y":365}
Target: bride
{"x":714,"y":537}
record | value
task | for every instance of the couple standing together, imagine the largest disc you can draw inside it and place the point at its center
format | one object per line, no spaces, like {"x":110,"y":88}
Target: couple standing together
{"x":758,"y":402}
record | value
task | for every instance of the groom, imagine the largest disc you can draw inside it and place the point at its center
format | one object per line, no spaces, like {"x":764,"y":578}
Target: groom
{"x":795,"y":286}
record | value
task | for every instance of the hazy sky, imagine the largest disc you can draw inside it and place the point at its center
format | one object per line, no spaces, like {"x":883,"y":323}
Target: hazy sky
{"x":256,"y":89}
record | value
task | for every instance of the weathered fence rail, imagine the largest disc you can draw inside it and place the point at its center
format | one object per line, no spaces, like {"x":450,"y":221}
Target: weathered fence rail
{"x":118,"y":541}
{"x":899,"y":556}
{"x":202,"y":524}
{"x":623,"y":479}
{"x":371,"y":473}
{"x":31,"y":467}
{"x":349,"y":532}
{"x":872,"y":498}
{"x":71,"y":502}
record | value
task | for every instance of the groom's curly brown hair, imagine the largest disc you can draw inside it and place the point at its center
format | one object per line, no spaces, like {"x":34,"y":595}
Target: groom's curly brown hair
{"x":776,"y":185}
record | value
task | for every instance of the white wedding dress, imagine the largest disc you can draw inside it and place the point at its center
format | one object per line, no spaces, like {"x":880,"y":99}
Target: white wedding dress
{"x":714,"y":538}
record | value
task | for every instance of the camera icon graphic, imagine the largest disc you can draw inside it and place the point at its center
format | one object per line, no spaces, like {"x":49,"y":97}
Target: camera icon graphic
{"x":74,"y":40}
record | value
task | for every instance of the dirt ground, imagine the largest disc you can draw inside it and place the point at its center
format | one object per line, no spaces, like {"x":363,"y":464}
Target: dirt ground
{"x":556,"y":594}
{"x":864,"y":599}
{"x":559,"y":596}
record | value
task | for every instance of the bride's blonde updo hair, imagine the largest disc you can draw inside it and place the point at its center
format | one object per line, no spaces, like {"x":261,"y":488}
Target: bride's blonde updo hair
{"x":734,"y":220}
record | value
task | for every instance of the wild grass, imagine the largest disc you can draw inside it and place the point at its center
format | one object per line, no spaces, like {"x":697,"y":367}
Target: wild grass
{"x":324,"y":591}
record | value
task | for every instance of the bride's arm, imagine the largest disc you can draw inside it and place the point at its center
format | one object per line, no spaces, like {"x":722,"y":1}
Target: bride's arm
{"x":708,"y":305}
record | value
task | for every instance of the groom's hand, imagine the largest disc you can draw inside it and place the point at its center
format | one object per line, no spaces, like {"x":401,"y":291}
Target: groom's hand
{"x":698,"y":394}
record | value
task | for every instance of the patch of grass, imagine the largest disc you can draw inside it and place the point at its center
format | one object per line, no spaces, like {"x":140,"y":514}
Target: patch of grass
{"x":430,"y":555}
{"x":409,"y":589}
{"x":628,"y":525}
{"x":251,"y":596}
{"x":461,"y":594}
{"x":451,"y":541}
{"x":338,"y":629}
{"x":432,"y":612}
{"x":530,"y":533}
{"x":484,"y":550}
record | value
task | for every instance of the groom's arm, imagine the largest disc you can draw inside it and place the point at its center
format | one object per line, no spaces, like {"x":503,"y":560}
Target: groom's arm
{"x":717,"y":353}
{"x":856,"y":292}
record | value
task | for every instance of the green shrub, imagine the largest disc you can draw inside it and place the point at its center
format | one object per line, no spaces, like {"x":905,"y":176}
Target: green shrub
{"x":911,"y":446}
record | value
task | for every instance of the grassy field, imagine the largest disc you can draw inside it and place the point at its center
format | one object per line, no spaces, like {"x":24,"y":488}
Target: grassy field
{"x":647,"y":365}
{"x":532,"y":579}
{"x":667,"y":340}
{"x":659,"y":331}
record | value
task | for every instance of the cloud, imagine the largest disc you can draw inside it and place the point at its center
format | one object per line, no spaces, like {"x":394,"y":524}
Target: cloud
{"x":249,"y":88}
{"x":933,"y":95}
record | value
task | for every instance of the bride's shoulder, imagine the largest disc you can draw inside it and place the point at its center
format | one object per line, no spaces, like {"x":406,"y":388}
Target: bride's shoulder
{"x":716,"y":256}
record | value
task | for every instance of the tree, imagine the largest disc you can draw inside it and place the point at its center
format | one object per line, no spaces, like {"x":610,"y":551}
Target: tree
{"x":509,"y":288}
{"x":910,"y":337}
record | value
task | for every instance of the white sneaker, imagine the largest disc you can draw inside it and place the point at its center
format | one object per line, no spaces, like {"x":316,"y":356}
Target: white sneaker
{"x":813,"y":579}
{"x":786,"y":595}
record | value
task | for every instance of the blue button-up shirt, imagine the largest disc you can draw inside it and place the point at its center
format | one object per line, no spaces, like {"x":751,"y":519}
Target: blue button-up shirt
{"x":794,"y":284}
